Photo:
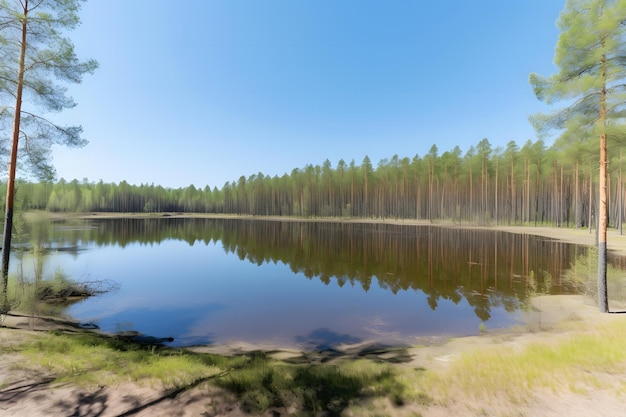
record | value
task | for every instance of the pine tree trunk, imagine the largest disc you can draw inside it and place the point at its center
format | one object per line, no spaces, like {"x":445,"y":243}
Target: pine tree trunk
{"x":10,"y":196}
{"x":495,"y":199}
{"x":590,"y":203}
{"x":603,"y":301}
{"x":576,"y":198}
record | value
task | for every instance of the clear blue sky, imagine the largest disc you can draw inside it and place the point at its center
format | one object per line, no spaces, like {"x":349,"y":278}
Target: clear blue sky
{"x":204,"y":91}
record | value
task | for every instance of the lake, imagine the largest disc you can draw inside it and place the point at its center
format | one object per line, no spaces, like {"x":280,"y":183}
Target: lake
{"x":296,"y":284}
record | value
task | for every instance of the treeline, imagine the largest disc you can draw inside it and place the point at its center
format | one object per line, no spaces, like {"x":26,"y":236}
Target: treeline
{"x":533,"y":183}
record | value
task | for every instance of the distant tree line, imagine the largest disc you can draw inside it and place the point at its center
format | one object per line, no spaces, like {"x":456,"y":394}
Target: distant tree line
{"x":531,"y":184}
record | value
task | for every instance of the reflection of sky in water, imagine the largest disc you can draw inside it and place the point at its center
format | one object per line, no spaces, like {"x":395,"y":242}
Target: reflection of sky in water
{"x":200,"y":294}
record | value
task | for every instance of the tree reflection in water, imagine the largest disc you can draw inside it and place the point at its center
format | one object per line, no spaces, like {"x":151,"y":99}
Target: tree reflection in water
{"x":486,"y":268}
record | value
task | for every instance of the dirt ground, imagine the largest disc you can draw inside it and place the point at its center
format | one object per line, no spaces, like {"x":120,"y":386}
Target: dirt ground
{"x":34,"y":393}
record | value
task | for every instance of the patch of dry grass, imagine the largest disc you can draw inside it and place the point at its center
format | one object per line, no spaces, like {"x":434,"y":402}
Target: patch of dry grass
{"x":575,"y":363}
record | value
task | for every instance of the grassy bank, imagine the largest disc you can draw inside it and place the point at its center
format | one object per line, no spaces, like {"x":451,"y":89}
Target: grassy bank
{"x":490,"y":369}
{"x":257,"y":380}
{"x":50,"y":296}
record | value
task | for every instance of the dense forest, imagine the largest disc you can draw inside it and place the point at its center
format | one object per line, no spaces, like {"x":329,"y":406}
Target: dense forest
{"x":528,"y":184}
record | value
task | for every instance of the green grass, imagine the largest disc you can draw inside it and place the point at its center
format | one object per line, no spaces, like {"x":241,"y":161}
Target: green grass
{"x":44,"y":295}
{"x":257,"y":380}
{"x":263,"y":383}
{"x":571,"y":364}
{"x":89,"y":359}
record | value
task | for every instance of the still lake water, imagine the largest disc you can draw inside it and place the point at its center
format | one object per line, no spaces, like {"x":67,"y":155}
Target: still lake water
{"x":299,"y":284}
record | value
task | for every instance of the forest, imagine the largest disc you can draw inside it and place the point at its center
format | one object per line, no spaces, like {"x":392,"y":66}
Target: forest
{"x":528,"y":184}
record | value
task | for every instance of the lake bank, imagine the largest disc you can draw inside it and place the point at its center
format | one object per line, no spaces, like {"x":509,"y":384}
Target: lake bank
{"x":615,"y":242}
{"x":434,"y":374}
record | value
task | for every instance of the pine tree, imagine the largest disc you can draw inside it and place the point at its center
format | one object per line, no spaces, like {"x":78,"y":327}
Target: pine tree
{"x":34,"y":53}
{"x":590,"y":56}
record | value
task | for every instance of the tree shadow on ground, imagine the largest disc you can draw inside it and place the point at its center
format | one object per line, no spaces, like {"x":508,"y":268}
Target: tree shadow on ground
{"x":263,"y":384}
{"x":317,"y":382}
{"x":88,"y":404}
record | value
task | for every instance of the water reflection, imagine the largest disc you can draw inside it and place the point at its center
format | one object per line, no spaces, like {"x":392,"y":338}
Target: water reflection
{"x":185,"y":278}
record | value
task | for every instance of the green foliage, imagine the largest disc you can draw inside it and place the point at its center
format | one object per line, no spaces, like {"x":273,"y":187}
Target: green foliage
{"x":589,"y":55}
{"x":533,"y":183}
{"x":35,"y":54}
{"x":49,"y":64}
{"x":590,"y":80}
{"x":60,"y":287}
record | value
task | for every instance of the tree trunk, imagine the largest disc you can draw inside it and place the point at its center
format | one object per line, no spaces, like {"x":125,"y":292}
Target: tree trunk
{"x":603,"y":301}
{"x":590,"y":214}
{"x":513,"y":195}
{"x":10,"y":196}
{"x":618,"y":196}
{"x":576,"y":198}
{"x":495,"y":199}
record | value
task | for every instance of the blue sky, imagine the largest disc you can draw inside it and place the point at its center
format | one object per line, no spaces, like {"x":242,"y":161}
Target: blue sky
{"x":204,"y":91}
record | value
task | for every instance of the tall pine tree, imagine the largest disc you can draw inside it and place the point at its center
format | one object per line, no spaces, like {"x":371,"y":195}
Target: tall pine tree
{"x":591,"y":56}
{"x":35,"y":52}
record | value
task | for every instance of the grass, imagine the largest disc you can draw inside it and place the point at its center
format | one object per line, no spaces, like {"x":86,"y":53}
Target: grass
{"x":576,"y":363}
{"x":90,"y":359}
{"x":50,"y":296}
{"x":257,"y":380}
{"x":317,"y":388}
{"x":571,"y":363}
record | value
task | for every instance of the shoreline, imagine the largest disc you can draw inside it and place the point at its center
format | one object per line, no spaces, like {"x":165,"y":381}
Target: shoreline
{"x":562,"y":319}
{"x":616,"y":243}
{"x":550,"y":320}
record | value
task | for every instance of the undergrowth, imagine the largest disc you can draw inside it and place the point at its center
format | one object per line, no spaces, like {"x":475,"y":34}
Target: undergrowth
{"x":257,"y":380}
